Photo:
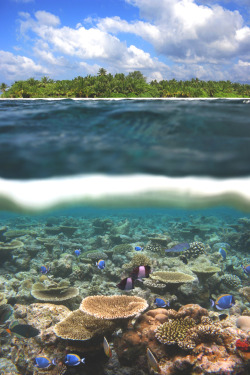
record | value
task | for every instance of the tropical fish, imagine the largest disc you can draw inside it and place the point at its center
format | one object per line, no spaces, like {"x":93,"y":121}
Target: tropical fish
{"x":223,"y":252}
{"x":152,"y":361}
{"x":159,"y":302}
{"x":106,"y":348}
{"x":23,"y":330}
{"x":100,"y":264}
{"x":223,"y":316}
{"x":77,"y":252}
{"x":73,"y":360}
{"x":126,"y":284}
{"x":5,"y":313}
{"x":138,"y":248}
{"x":225,"y":301}
{"x":44,"y":269}
{"x":140,"y":272}
{"x":43,"y":362}
{"x":178,"y":248}
{"x":246,"y":269}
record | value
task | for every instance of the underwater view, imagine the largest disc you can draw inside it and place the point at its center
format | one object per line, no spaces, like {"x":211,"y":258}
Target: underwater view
{"x":125,"y":237}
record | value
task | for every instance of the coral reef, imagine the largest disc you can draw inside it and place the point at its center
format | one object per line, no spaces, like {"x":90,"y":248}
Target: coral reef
{"x":113,"y":307}
{"x":54,"y":292}
{"x":81,"y":326}
{"x":171,"y":279}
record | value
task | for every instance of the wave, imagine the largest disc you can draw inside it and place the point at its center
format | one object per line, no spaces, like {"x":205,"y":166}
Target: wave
{"x":140,"y":190}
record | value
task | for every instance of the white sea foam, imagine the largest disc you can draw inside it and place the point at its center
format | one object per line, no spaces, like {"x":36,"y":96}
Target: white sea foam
{"x":118,"y":191}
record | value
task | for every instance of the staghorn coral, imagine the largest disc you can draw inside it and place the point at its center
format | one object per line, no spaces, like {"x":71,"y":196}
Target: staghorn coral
{"x":113,"y":307}
{"x":231,"y":281}
{"x":203,"y":273}
{"x":81,"y":326}
{"x":195,"y":249}
{"x":53,"y":292}
{"x":171,"y":278}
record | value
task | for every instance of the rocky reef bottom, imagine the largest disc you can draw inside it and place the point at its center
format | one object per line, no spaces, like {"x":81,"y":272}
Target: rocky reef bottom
{"x":188,"y":341}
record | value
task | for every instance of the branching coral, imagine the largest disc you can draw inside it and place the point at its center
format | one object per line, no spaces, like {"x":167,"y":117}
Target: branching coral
{"x":175,"y":332}
{"x":187,"y":333}
{"x":113,"y":307}
{"x":195,"y":249}
{"x":137,"y":260}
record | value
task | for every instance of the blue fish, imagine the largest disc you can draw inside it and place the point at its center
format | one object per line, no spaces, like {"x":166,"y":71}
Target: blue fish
{"x":139,"y":248}
{"x":246,"y":269}
{"x":73,"y":360}
{"x":159,"y":302}
{"x":178,"y":248}
{"x":77,"y":252}
{"x":225,"y":301}
{"x":44,"y":269}
{"x":43,"y":362}
{"x":223,"y":252}
{"x":100,"y":264}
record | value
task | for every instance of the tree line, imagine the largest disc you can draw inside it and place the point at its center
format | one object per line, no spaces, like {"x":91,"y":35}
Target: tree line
{"x":132,"y":85}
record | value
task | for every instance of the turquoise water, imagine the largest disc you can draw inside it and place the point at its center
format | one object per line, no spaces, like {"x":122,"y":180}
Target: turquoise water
{"x":48,"y":147}
{"x":45,"y":138}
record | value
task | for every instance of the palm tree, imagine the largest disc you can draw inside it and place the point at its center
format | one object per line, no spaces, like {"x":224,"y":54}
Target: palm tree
{"x":102,"y":72}
{"x":3,"y":87}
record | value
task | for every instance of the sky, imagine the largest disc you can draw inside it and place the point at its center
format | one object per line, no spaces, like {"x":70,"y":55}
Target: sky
{"x":164,"y":39}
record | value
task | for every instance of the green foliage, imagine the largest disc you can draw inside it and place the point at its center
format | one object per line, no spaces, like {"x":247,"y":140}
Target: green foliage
{"x":133,"y":85}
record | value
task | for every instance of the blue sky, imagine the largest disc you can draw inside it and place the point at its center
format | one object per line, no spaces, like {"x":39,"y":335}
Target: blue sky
{"x":164,"y":39}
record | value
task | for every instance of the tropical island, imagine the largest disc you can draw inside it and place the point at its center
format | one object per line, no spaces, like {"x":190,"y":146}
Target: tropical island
{"x":132,"y":85}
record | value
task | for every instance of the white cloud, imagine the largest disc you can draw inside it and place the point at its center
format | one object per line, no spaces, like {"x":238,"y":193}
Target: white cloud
{"x":85,"y":44}
{"x":191,"y":32}
{"x":19,"y":67}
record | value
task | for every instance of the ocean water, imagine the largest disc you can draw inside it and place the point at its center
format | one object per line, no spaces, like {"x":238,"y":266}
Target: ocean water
{"x":97,"y":174}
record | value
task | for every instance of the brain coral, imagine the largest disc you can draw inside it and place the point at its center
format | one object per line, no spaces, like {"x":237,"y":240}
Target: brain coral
{"x":113,"y":307}
{"x":81,"y":326}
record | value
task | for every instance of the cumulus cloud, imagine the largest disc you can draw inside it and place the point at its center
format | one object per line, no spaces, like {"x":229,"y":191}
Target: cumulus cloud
{"x":19,"y":67}
{"x":190,"y":32}
{"x":85,"y":44}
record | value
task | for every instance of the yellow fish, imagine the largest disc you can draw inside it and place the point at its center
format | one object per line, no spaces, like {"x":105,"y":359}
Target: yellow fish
{"x":106,"y":348}
{"x":152,"y":361}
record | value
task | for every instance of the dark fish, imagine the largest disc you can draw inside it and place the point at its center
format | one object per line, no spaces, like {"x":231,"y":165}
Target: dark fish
{"x":178,"y":248}
{"x":140,"y":272}
{"x":24,"y":330}
{"x":126,"y":284}
{"x":223,"y":316}
{"x":5,"y":313}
